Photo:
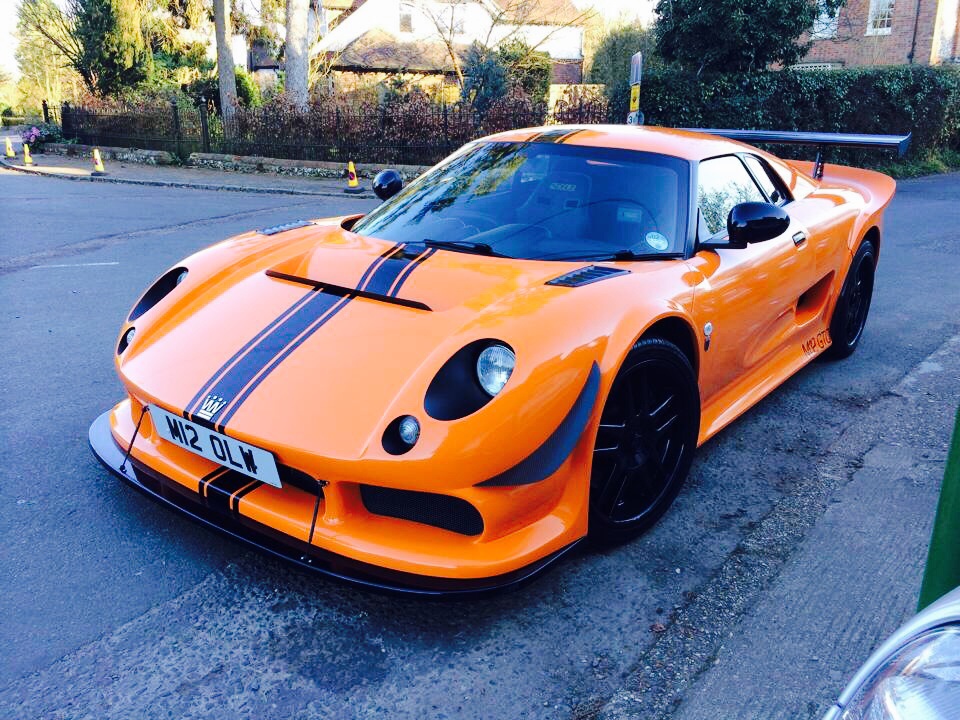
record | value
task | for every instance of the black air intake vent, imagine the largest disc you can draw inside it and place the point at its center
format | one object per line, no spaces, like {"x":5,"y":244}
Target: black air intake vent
{"x":442,"y":511}
{"x":299,"y":479}
{"x":587,"y":275}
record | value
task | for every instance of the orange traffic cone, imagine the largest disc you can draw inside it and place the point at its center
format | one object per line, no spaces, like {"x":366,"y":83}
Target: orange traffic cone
{"x":27,"y":160}
{"x":353,"y":185}
{"x":10,"y":152}
{"x":97,"y":164}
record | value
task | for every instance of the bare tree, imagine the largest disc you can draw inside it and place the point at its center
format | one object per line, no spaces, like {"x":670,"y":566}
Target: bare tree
{"x":228,"y":79}
{"x":296,"y":52}
{"x":448,"y":20}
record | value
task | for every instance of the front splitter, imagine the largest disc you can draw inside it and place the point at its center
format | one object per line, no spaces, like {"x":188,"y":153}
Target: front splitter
{"x":308,"y":557}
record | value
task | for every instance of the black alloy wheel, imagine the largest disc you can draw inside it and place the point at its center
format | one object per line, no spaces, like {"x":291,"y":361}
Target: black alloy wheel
{"x":646,"y":440}
{"x":850,"y":314}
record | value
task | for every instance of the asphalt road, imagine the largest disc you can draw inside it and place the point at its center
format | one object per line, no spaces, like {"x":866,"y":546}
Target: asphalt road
{"x":800,"y":534}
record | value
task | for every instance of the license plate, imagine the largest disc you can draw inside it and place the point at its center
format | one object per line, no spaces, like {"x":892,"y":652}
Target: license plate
{"x":247,"y":459}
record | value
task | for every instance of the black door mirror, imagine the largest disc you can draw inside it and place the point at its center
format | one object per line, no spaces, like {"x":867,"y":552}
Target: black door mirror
{"x":387,"y":183}
{"x":753,"y":222}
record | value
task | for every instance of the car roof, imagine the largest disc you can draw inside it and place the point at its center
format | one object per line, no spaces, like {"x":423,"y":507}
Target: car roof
{"x":666,"y":141}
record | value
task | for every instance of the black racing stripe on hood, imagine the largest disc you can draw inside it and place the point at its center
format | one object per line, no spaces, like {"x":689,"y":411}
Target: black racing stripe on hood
{"x":338,"y":305}
{"x":386,"y":276}
{"x":258,"y":357}
{"x":261,"y":360}
{"x":196,"y":403}
{"x":405,"y":275}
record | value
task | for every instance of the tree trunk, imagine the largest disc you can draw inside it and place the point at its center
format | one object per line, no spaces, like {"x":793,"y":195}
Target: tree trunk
{"x":228,"y":80}
{"x":296,"y":53}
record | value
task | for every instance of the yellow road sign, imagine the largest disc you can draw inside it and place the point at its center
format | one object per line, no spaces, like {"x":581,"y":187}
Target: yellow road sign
{"x":634,"y":98}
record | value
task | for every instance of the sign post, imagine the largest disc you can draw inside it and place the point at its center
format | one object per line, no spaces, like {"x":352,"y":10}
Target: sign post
{"x":942,"y":572}
{"x":636,"y":72}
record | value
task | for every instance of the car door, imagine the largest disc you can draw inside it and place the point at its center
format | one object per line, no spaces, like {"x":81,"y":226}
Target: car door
{"x":746,"y":299}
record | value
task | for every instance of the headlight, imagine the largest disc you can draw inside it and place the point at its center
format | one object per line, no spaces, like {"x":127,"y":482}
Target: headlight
{"x":494,"y":367}
{"x":920,"y":681}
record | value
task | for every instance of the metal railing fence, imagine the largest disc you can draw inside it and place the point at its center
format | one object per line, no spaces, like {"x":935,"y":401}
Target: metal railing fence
{"x":414,"y":133}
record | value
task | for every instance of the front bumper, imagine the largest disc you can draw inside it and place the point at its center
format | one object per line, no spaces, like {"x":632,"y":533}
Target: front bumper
{"x":305,"y":555}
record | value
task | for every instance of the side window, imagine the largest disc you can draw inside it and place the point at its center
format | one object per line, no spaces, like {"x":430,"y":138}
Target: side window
{"x":762,"y":174}
{"x":722,"y":183}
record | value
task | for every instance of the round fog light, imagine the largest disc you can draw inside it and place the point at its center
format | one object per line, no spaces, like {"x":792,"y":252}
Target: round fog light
{"x":125,"y":341}
{"x":409,"y":430}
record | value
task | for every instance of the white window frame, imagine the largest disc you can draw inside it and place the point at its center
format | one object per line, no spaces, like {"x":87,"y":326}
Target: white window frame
{"x":881,"y":11}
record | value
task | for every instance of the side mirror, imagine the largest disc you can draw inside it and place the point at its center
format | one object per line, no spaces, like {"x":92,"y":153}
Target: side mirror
{"x":753,"y":222}
{"x":387,"y":183}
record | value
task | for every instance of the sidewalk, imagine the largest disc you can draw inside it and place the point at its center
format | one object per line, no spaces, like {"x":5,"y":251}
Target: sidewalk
{"x":80,"y":169}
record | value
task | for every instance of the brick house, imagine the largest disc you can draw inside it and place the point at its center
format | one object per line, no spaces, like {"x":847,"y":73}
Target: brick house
{"x":887,"y":32}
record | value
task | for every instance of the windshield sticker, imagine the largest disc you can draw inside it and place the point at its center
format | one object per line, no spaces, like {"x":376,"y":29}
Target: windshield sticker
{"x":657,"y":241}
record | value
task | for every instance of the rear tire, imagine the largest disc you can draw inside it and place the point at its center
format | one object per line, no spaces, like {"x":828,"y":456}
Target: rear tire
{"x":853,"y":305}
{"x":645,"y":443}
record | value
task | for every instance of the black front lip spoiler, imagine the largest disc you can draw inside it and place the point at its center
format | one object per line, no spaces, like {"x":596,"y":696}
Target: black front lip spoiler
{"x":309,"y":557}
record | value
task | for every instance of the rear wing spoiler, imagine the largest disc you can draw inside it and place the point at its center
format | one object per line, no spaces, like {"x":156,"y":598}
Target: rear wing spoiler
{"x":820,"y":140}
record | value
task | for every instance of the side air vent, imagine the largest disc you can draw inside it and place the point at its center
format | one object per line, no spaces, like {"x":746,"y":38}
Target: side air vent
{"x":587,"y":275}
{"x":286,"y":226}
{"x":442,"y":511}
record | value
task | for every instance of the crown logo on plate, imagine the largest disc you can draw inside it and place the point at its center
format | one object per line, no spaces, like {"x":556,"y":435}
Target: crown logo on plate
{"x":211,"y":406}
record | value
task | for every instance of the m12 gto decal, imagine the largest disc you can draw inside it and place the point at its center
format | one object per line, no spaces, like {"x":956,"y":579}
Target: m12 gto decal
{"x":816,"y":343}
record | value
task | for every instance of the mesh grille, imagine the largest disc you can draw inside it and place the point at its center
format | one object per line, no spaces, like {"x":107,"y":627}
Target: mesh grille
{"x":587,"y":275}
{"x":440,"y":511}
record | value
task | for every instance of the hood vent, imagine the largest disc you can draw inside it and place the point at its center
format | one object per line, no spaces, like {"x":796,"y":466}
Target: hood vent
{"x":587,"y":275}
{"x":286,"y":226}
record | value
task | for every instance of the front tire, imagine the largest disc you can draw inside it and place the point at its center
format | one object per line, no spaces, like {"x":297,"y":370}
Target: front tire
{"x":645,"y":443}
{"x":850,"y":314}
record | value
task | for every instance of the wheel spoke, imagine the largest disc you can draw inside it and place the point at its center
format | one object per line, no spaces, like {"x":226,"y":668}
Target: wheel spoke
{"x":663,"y":428}
{"x":662,"y":406}
{"x":612,"y":490}
{"x":609,"y":437}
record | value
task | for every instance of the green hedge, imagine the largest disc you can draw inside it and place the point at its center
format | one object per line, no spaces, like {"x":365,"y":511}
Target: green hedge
{"x":900,"y":99}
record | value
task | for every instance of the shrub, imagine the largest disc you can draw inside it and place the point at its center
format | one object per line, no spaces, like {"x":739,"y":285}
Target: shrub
{"x":891,"y":100}
{"x":38,"y":135}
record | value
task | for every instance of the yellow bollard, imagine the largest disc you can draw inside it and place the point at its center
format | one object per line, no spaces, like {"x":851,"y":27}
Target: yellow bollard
{"x":97,"y":163}
{"x":10,"y":152}
{"x":353,"y":185}
{"x":27,"y":160}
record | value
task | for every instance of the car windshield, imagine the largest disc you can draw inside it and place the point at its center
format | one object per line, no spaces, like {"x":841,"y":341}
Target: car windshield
{"x":543,"y":201}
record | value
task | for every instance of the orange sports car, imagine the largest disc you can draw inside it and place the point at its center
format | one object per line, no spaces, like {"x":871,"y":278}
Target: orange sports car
{"x":520,"y":349}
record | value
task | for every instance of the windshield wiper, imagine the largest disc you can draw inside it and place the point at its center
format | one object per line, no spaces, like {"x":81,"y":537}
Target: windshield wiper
{"x":613,"y":256}
{"x":477,"y":248}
